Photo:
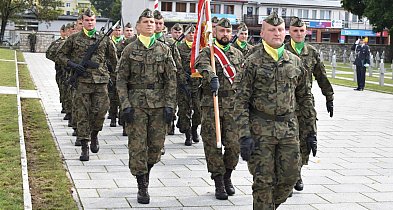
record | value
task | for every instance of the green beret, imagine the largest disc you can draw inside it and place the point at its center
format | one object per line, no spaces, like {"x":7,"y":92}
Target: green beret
{"x":297,"y":22}
{"x":242,"y":26}
{"x":215,"y":19}
{"x":118,"y":26}
{"x":128,"y":25}
{"x":88,"y":12}
{"x":273,"y":19}
{"x":147,"y":13}
{"x":80,"y":17}
{"x":224,"y":22}
{"x":192,"y":28}
{"x":177,"y":27}
{"x":157,"y":15}
{"x":63,"y":27}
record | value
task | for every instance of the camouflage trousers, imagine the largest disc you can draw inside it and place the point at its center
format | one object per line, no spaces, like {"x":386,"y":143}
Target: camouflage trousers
{"x":74,"y":108}
{"x":91,"y":103}
{"x":67,"y":99}
{"x":217,"y":163}
{"x":305,"y":128}
{"x":274,"y":166}
{"x":113,"y":100}
{"x":189,"y":112}
{"x":146,"y":136}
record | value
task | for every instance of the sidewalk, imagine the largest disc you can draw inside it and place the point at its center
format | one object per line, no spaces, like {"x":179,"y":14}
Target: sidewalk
{"x":353,"y":168}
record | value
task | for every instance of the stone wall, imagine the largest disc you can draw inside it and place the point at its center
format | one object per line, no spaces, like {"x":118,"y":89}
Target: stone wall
{"x":341,"y":48}
{"x":43,"y":41}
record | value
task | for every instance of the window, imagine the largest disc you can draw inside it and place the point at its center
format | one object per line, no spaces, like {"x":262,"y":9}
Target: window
{"x":292,"y":13}
{"x":68,"y":4}
{"x":313,"y":36}
{"x":325,"y":14}
{"x":192,"y":7}
{"x":229,"y":9}
{"x":284,"y":12}
{"x":354,"y":18}
{"x":275,"y":10}
{"x":249,"y":11}
{"x":215,"y":9}
{"x":325,"y":37}
{"x":68,"y":13}
{"x":314,"y":14}
{"x":268,"y":11}
{"x":181,"y":7}
{"x":166,"y":6}
{"x":302,"y":13}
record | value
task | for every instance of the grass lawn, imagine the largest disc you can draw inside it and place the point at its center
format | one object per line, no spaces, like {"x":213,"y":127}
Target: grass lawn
{"x":11,"y":194}
{"x":7,"y":68}
{"x":50,"y":187}
{"x":373,"y":79}
{"x":370,"y":87}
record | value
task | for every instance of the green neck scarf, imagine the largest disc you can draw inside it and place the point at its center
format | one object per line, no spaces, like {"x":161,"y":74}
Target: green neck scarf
{"x":242,"y":44}
{"x":89,"y":33}
{"x":147,"y":41}
{"x":274,"y":53}
{"x":222,"y":47}
{"x":158,"y":35}
{"x":297,"y":46}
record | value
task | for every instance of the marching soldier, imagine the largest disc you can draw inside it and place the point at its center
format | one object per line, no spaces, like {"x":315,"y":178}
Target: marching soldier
{"x":188,"y":95}
{"x":314,"y":66}
{"x":51,"y":54}
{"x":241,"y":42}
{"x":117,"y":35}
{"x":91,"y":93}
{"x":272,"y":85}
{"x":176,"y":31}
{"x":214,"y":24}
{"x":32,"y":40}
{"x":227,"y":64}
{"x":146,"y":84}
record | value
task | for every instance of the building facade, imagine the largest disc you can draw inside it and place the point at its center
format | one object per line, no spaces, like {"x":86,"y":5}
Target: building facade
{"x":327,"y":21}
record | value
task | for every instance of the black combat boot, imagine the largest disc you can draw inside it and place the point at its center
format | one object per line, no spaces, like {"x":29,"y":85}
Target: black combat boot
{"x":124,"y":130}
{"x":63,"y":111}
{"x":172,"y":129}
{"x":143,"y":195}
{"x":163,"y":150}
{"x":94,"y":145}
{"x":188,"y":138}
{"x":220,"y":190}
{"x":85,"y":151}
{"x":74,"y":134}
{"x":228,"y":183}
{"x":78,"y":142}
{"x":70,"y":121}
{"x":113,"y":122}
{"x":67,"y":116}
{"x":194,"y":132}
{"x":299,"y":185}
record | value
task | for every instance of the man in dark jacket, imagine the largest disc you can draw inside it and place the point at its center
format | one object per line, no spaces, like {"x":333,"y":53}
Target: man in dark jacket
{"x":362,"y":60}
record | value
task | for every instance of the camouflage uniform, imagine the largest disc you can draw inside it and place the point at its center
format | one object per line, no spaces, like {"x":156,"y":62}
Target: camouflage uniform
{"x":188,"y":96}
{"x":266,"y":100}
{"x":146,"y":82}
{"x":91,"y":93}
{"x":247,"y":47}
{"x":217,"y":163}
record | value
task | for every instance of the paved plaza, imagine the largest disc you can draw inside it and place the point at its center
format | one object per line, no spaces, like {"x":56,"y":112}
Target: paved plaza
{"x":353,"y":168}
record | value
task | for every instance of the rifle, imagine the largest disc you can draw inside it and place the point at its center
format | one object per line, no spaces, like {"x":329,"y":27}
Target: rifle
{"x":86,"y":61}
{"x":181,"y":37}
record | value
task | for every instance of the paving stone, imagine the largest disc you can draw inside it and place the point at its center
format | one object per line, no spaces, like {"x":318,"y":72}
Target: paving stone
{"x":158,"y":202}
{"x":341,"y":188}
{"x":380,"y":196}
{"x":95,"y":203}
{"x":88,"y":193}
{"x":92,"y":184}
{"x":378,"y":205}
{"x":203,"y":201}
{"x":346,"y":206}
{"x":345,"y":197}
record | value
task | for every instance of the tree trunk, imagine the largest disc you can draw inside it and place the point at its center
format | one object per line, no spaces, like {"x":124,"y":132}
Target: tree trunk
{"x":2,"y":31}
{"x":391,"y":45}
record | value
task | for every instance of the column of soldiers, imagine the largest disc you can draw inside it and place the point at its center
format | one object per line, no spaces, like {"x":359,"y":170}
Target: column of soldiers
{"x":264,"y":94}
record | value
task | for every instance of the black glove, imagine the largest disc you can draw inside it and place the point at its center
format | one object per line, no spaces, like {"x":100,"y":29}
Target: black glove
{"x":128,"y":115}
{"x":214,"y":85}
{"x":246,"y":147}
{"x":312,"y":143}
{"x":168,"y":115}
{"x":329,"y":106}
{"x":78,"y":68}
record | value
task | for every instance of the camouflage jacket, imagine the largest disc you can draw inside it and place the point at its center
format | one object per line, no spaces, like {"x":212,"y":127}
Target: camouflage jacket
{"x":270,"y":88}
{"x":185,"y":55}
{"x":176,"y":57}
{"x":243,"y":50}
{"x":203,"y":64}
{"x":53,"y":48}
{"x":314,"y":66}
{"x":146,"y":77}
{"x":75,"y":48}
{"x":121,"y":45}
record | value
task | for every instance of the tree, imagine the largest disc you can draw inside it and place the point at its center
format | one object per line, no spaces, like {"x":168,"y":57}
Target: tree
{"x":378,"y":12}
{"x":108,"y":8}
{"x":44,"y":10}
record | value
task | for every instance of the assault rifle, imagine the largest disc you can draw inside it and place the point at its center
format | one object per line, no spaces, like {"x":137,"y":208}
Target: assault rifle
{"x":234,"y":38}
{"x":86,"y":61}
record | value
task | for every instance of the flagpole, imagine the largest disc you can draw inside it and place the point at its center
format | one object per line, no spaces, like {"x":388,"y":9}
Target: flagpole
{"x":213,"y":65}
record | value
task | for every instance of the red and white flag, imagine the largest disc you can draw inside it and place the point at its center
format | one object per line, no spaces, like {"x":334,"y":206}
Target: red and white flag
{"x":156,"y":5}
{"x":203,"y":36}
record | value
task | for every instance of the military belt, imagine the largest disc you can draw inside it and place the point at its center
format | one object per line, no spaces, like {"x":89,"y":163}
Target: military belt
{"x":277,"y":118}
{"x":221,"y":93}
{"x":146,"y":86}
